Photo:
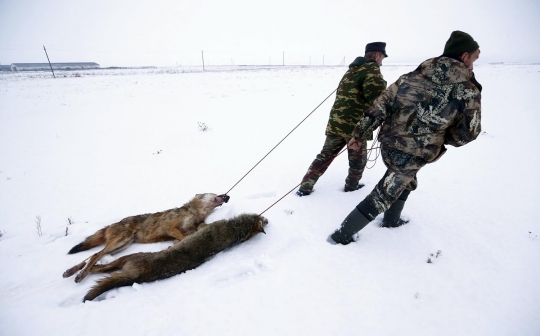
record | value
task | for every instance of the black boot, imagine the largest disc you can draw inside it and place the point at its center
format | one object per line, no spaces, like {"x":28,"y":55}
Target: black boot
{"x":349,"y":189}
{"x":392,"y":216}
{"x":354,"y":222}
{"x":301,"y":193}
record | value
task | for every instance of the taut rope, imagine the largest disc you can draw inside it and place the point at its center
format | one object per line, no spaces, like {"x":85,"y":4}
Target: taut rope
{"x":281,"y":141}
{"x":324,"y":165}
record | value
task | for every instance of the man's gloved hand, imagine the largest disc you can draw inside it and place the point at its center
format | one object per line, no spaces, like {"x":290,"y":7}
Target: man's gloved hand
{"x":355,"y":145}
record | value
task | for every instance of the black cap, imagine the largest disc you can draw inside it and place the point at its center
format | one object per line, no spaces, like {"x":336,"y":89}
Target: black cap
{"x":459,"y":43}
{"x":377,"y":46}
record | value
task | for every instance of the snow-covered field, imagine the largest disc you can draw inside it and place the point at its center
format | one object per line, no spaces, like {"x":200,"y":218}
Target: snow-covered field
{"x":94,"y":149}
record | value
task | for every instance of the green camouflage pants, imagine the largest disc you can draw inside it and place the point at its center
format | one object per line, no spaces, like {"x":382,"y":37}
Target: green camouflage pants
{"x":400,"y":175}
{"x":331,"y":148}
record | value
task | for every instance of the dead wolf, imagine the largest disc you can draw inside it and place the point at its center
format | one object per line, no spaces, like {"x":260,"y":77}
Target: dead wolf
{"x":171,"y":224}
{"x":184,"y":256}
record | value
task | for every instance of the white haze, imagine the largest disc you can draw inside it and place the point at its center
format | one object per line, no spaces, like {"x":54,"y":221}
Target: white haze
{"x":170,"y":33}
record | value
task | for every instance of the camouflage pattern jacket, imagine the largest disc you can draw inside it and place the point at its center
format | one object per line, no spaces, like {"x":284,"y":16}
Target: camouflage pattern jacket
{"x":436,"y":104}
{"x":357,"y":90}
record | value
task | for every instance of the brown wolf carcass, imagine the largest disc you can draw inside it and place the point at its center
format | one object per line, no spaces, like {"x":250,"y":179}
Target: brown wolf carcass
{"x":174,"y":224}
{"x":184,"y":256}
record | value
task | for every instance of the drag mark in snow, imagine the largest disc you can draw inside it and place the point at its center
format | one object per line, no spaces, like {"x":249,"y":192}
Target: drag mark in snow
{"x":260,"y":263}
{"x":262,"y":195}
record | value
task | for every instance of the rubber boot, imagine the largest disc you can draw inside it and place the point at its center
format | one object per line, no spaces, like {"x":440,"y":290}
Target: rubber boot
{"x":353,"y":223}
{"x":392,"y":216}
{"x":301,"y":193}
{"x":349,"y":189}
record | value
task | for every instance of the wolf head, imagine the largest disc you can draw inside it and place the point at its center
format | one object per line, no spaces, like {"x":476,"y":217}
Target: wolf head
{"x":213,"y":198}
{"x":205,"y":203}
{"x":257,"y":224}
{"x":260,"y":223}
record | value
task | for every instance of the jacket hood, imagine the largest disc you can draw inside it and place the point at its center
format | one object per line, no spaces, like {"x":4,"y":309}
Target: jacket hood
{"x":445,"y":70}
{"x":361,"y":60}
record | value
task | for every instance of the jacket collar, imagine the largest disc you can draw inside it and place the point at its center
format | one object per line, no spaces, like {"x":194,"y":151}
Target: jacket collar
{"x":360,"y":61}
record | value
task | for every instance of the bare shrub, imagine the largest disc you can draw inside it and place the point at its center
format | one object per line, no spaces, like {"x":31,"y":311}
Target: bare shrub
{"x":38,"y":225}
{"x":203,"y":127}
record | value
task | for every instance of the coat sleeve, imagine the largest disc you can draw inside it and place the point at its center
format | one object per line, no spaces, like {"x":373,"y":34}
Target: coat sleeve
{"x":376,"y":114}
{"x":467,"y":126}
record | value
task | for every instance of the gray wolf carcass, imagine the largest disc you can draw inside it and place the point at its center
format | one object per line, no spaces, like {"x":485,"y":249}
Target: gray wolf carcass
{"x":171,"y":224}
{"x":184,"y":256}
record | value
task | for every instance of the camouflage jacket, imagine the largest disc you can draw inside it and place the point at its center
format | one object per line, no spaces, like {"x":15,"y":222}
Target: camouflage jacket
{"x":357,"y":90}
{"x":436,"y":104}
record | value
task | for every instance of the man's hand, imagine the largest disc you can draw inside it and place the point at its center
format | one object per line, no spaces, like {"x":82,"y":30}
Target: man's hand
{"x":355,"y":145}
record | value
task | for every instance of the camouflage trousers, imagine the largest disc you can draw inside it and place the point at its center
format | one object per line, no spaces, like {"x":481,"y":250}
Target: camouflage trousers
{"x":331,"y":148}
{"x":400,"y":175}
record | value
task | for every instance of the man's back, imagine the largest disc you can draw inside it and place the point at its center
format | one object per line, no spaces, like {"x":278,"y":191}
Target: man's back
{"x":357,"y":90}
{"x":434,"y":105}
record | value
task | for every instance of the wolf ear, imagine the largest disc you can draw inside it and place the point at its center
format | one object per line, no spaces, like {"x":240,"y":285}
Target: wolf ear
{"x":260,"y":223}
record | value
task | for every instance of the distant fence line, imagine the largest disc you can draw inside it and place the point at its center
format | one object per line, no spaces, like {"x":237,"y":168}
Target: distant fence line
{"x":176,"y":58}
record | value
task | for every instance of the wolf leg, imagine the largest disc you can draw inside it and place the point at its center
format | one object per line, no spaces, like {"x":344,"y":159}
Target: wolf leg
{"x":112,"y":245}
{"x":110,"y":267}
{"x":177,"y":234}
{"x":74,"y":269}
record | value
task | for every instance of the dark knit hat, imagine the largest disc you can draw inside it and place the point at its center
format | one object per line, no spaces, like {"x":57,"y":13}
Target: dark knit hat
{"x":377,"y":46}
{"x":459,"y":43}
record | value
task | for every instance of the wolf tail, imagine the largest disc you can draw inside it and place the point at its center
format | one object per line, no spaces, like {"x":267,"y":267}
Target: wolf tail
{"x":94,"y":240}
{"x":108,"y":283}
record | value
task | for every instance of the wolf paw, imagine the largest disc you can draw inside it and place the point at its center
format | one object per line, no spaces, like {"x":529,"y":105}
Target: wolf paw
{"x":67,"y":274}
{"x":70,"y":271}
{"x":79,"y":278}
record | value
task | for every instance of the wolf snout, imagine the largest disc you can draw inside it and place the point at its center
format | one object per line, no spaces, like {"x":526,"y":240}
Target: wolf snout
{"x":223,"y":198}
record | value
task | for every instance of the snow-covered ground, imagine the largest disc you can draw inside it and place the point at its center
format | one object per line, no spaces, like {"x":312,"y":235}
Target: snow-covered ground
{"x":94,"y":149}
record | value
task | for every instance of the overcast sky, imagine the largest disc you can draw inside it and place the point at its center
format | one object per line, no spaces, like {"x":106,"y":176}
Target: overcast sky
{"x":167,"y":32}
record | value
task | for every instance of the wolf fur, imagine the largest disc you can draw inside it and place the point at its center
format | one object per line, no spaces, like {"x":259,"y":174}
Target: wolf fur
{"x":171,"y":224}
{"x":182,"y":257}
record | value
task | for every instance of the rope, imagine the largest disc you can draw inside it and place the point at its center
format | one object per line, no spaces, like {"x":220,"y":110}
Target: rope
{"x":316,"y":171}
{"x":281,"y":141}
{"x":369,"y":151}
{"x":377,"y":150}
{"x":296,"y":186}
